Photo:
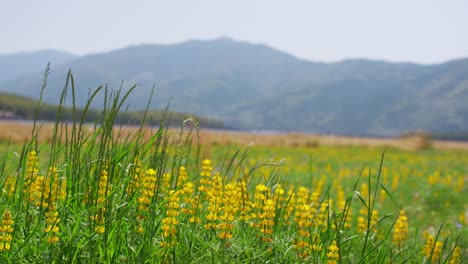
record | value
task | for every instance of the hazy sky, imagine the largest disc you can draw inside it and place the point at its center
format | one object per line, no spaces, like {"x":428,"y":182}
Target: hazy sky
{"x":423,"y":31}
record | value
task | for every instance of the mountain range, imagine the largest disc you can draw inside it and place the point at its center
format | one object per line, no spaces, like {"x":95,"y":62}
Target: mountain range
{"x":254,"y":86}
{"x":18,"y":64}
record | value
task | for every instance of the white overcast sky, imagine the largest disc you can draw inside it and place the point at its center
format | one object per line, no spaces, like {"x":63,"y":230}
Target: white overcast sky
{"x":422,"y":31}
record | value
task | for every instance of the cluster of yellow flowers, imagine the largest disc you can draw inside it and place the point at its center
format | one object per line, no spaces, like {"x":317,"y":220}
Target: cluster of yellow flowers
{"x":170,"y":222}
{"x":263,"y":211}
{"x":45,"y":190}
{"x":137,"y":174}
{"x":6,"y":229}
{"x":232,"y":193}
{"x":303,"y":217}
{"x":41,"y":191}
{"x":363,"y":221}
{"x":52,"y":225}
{"x":333,"y":254}
{"x":190,"y":202}
{"x":214,"y":197}
{"x":220,"y":206}
{"x":103,"y":191}
{"x":432,"y":249}
{"x":53,"y":189}
{"x":146,"y":194}
{"x":400,"y":231}
{"x":33,"y":181}
{"x":456,"y":256}
{"x":205,"y":175}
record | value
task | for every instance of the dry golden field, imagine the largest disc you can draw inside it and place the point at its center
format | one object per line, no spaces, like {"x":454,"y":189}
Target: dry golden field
{"x":19,"y":132}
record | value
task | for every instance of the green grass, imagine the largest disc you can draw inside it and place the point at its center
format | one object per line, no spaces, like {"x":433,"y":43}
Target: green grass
{"x":112,"y":199}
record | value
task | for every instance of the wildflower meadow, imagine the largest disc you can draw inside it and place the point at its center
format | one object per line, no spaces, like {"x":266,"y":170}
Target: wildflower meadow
{"x":93,"y":195}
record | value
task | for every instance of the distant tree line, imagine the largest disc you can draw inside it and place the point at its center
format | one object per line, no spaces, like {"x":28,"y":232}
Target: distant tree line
{"x":19,"y":107}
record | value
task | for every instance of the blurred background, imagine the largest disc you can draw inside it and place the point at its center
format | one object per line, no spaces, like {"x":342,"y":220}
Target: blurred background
{"x":361,"y":68}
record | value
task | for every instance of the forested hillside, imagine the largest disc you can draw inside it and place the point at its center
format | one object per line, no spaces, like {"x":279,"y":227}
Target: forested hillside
{"x":19,"y":108}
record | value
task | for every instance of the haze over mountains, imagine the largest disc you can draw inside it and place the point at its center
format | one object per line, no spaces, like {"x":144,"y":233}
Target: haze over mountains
{"x":253,"y":86}
{"x":15,"y":65}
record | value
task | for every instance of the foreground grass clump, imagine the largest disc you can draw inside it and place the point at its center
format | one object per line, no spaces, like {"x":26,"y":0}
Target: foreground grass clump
{"x":91,"y":195}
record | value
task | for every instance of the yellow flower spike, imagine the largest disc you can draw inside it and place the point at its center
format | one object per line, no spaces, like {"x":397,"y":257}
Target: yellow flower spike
{"x":52,"y":228}
{"x":170,"y":222}
{"x":146,"y":193}
{"x":333,"y":253}
{"x":182,"y":177}
{"x":400,"y":231}
{"x":456,"y":256}
{"x":205,"y":175}
{"x":433,"y":248}
{"x":6,"y":230}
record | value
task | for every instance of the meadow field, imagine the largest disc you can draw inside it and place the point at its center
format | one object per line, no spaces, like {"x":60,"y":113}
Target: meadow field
{"x":102,"y":193}
{"x":97,"y":195}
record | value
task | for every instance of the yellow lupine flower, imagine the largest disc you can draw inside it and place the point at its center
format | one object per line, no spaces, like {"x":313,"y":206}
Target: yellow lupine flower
{"x":400,"y":230}
{"x":333,"y":253}
{"x":6,"y":230}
